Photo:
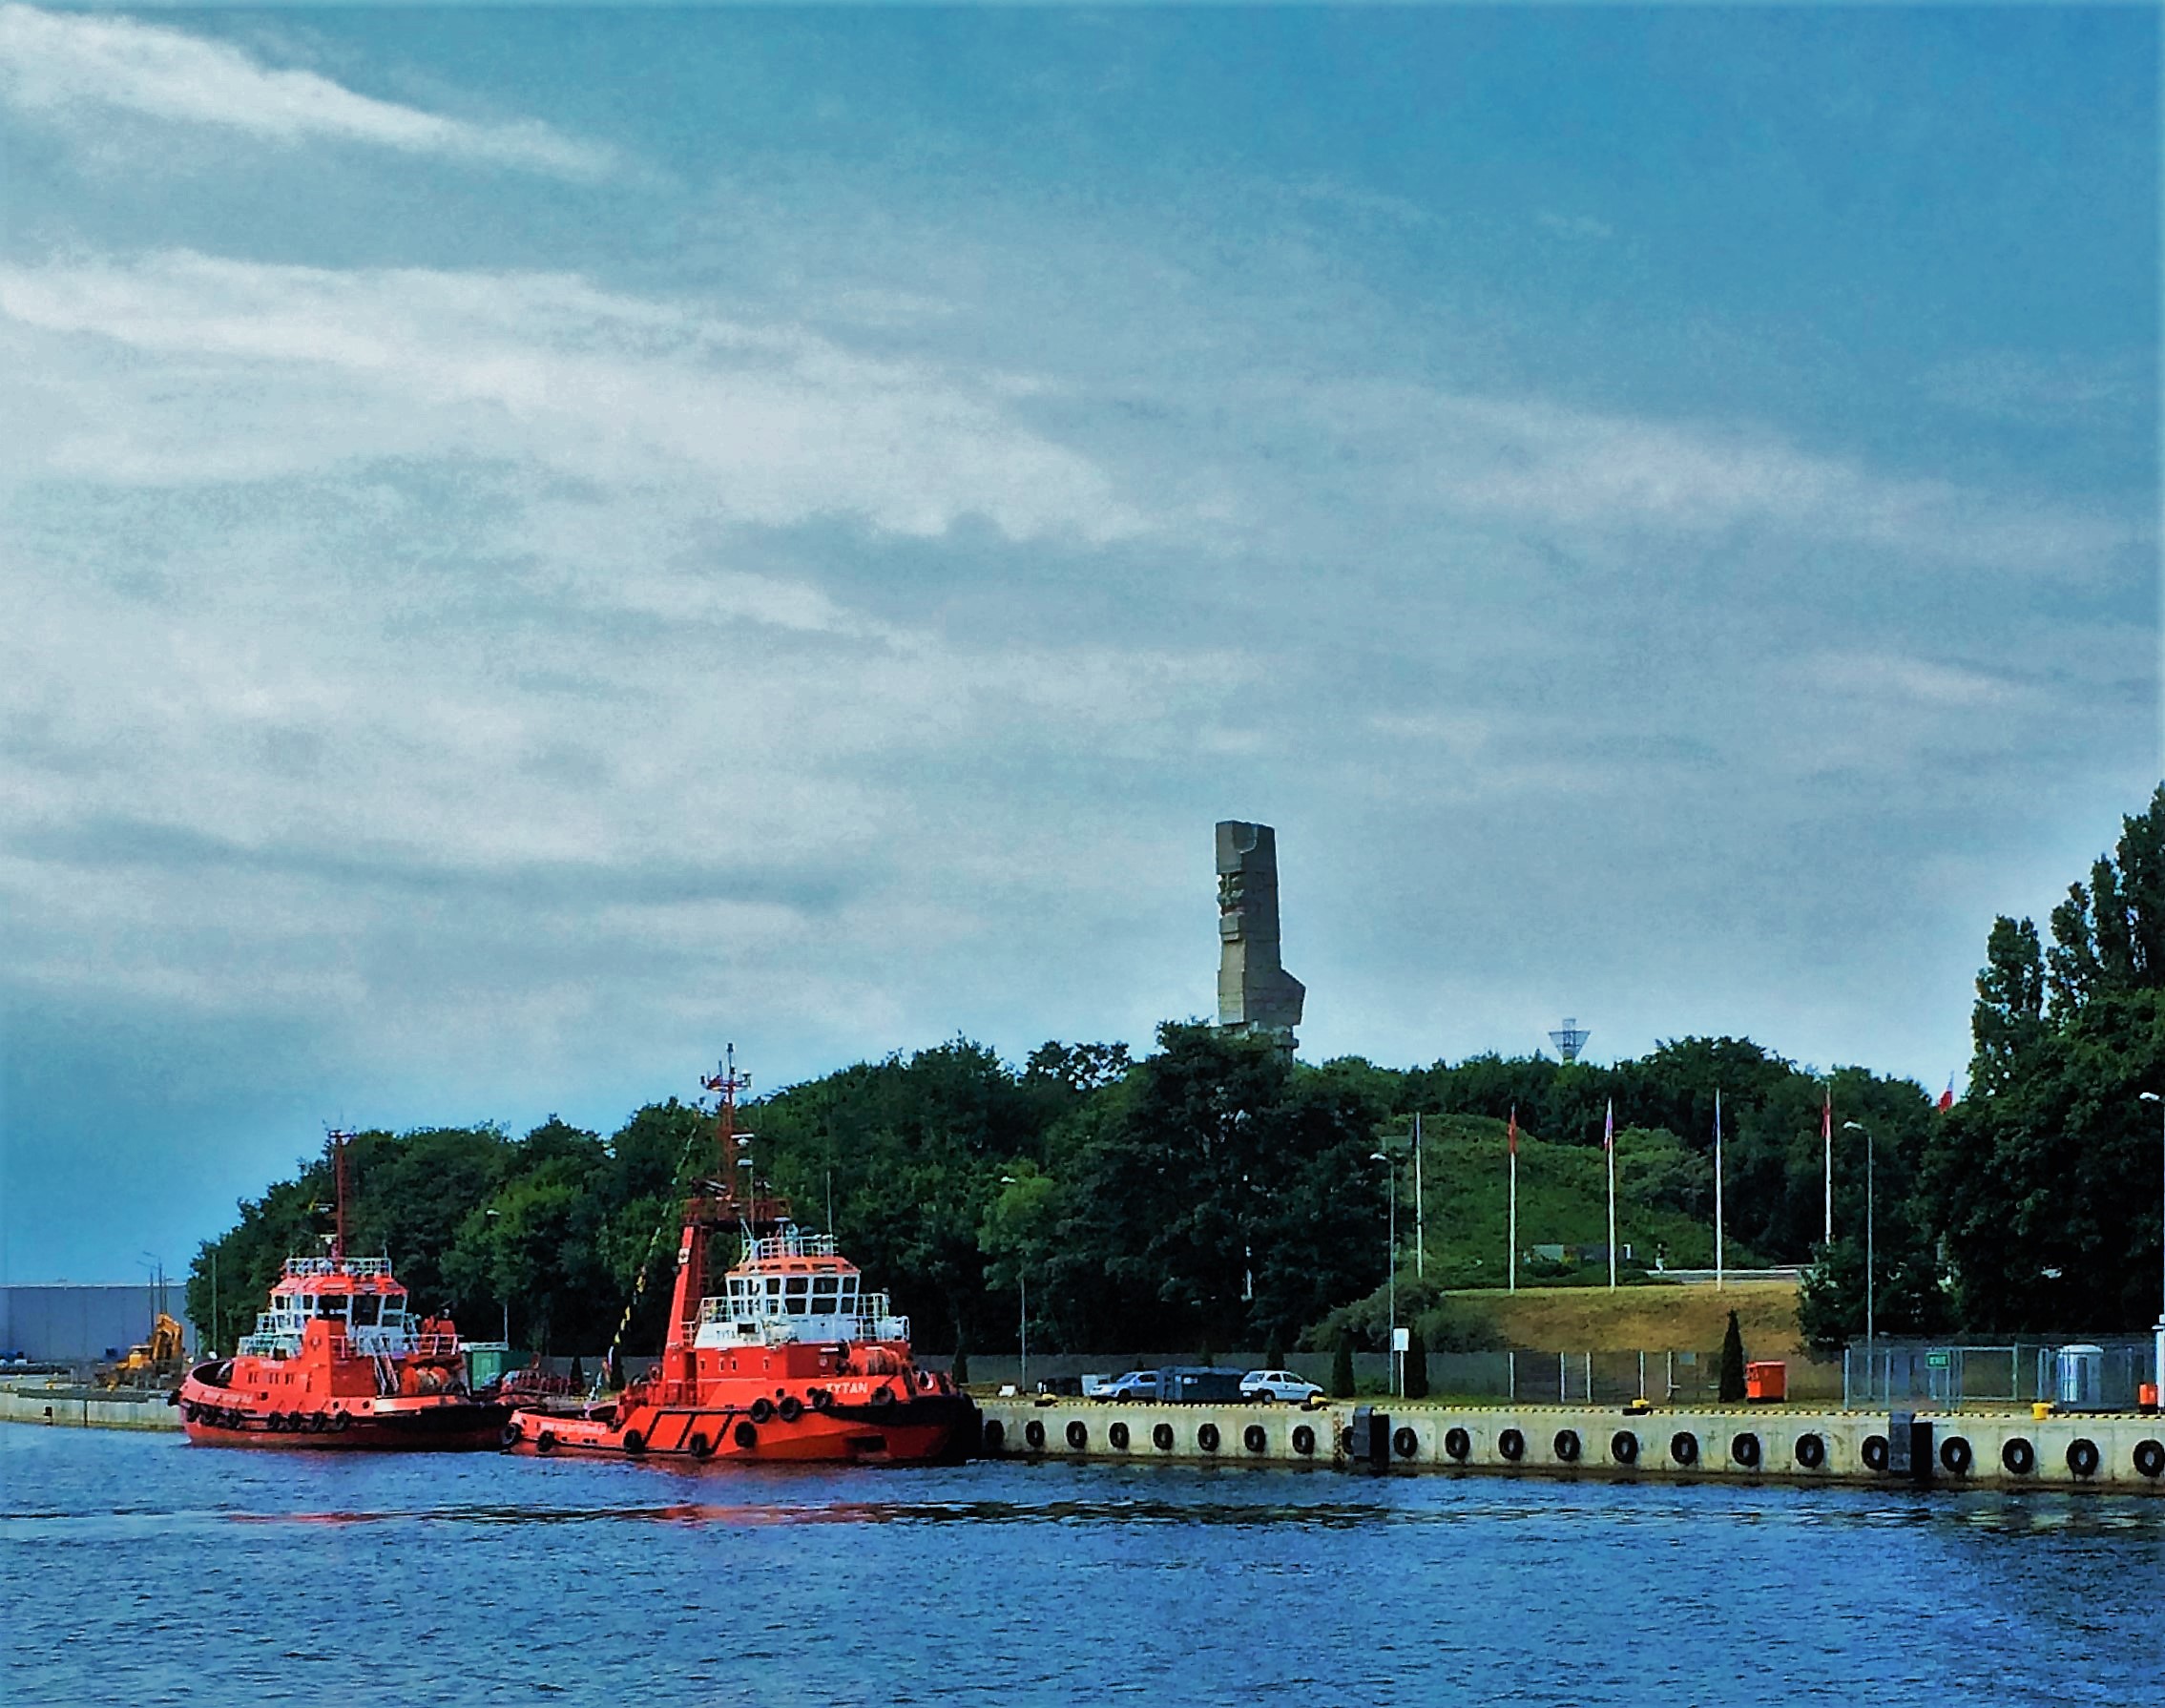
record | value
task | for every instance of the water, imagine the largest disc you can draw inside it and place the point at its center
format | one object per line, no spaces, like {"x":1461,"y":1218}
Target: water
{"x":138,"y":1570}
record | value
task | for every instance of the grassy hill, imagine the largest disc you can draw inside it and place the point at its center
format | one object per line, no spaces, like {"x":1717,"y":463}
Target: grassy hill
{"x":1651,"y":1319}
{"x":1562,"y":1201}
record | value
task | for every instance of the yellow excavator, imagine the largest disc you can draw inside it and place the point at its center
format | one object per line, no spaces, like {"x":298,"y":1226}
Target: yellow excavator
{"x":152,"y":1363}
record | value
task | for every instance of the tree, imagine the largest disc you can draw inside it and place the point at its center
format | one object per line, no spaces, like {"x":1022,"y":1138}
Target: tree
{"x":1732,"y":1362}
{"x":2043,"y":1180}
{"x":1342,"y":1367}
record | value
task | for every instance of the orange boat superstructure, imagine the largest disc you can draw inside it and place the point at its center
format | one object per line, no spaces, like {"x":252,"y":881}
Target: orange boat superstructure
{"x":791,"y":1361}
{"x":339,"y":1361}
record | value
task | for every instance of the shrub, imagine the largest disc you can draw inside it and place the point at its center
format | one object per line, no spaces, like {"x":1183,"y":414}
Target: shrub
{"x":1732,"y":1362}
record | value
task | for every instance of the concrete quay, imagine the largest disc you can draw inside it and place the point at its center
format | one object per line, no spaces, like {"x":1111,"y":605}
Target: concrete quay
{"x":87,"y":1408}
{"x":2121,"y":1453}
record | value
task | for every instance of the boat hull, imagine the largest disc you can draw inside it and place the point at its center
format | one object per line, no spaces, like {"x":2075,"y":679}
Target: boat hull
{"x":433,"y":1426}
{"x":930,"y":1428}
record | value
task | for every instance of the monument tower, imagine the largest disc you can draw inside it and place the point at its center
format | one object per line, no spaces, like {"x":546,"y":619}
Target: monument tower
{"x":1254,"y":993}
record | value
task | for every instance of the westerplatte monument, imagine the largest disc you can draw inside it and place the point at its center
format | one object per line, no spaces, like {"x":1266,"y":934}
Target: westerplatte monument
{"x":1254,"y":993}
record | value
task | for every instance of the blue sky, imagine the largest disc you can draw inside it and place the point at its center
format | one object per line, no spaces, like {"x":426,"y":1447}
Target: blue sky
{"x":538,"y":542}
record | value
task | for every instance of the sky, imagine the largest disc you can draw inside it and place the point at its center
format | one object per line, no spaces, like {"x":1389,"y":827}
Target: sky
{"x":539,"y":543}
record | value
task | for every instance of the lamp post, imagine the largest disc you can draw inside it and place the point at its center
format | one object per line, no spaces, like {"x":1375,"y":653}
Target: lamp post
{"x":1390,"y":1260}
{"x":490,"y":1215}
{"x":1022,"y":1284}
{"x":1854,"y":1127}
{"x":2153,"y":1097}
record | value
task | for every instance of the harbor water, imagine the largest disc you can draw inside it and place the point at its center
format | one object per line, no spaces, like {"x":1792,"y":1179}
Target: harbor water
{"x":139,"y":1569}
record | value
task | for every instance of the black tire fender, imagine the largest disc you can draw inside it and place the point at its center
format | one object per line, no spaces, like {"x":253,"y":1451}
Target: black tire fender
{"x":1161,"y":1438}
{"x":545,"y":1442}
{"x":1303,"y":1441}
{"x":1255,"y":1438}
{"x":1511,"y":1445}
{"x":1206,"y":1438}
{"x":1567,"y":1446}
{"x":1033,"y":1435}
{"x":1874,"y":1453}
{"x":1404,"y":1443}
{"x":1624,"y":1447}
{"x":635,"y":1444}
{"x":2150,"y":1458}
{"x":2083,"y":1456}
{"x":1118,"y":1435}
{"x":761,"y":1409}
{"x":789,"y":1408}
{"x":1078,"y":1434}
{"x":1955,"y":1456}
{"x":1457,"y":1444}
{"x":2017,"y":1457}
{"x":996,"y":1435}
{"x":698,"y":1446}
{"x":1684,"y":1447}
{"x":1744,"y":1451}
{"x":745,"y":1435}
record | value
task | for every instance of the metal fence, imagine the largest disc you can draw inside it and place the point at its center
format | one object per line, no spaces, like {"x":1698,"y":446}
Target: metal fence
{"x":1944,"y":1376}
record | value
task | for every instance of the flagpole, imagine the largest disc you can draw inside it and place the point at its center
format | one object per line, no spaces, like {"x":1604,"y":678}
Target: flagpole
{"x":1826,"y":1142}
{"x":1717,"y":1250}
{"x":1420,"y":1227}
{"x":1609,"y":1145}
{"x":1512,"y":1258}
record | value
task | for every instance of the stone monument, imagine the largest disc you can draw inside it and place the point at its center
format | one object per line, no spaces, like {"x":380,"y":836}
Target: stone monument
{"x":1254,"y":993}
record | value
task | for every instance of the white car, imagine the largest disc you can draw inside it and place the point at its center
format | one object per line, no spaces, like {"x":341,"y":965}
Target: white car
{"x":1278,"y":1384}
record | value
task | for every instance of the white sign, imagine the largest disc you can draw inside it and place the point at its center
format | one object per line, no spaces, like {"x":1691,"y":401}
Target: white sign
{"x":1401,"y":1339}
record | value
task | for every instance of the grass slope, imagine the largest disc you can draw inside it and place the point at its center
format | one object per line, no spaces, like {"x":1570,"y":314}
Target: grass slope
{"x":1562,"y":1201}
{"x":1657,"y":1319}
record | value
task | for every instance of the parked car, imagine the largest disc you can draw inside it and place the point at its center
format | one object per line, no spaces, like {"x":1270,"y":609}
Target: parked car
{"x":1135,"y":1384}
{"x":1278,"y":1384}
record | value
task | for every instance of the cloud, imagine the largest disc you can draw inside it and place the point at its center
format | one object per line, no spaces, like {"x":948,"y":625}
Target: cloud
{"x":259,"y":372}
{"x":75,"y":71}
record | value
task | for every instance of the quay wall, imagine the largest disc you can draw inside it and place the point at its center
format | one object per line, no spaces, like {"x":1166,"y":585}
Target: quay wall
{"x":2121,"y":1451}
{"x":88,"y":1409}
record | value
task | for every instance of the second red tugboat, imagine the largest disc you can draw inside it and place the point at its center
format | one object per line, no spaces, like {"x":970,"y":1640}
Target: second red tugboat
{"x":791,"y":1361}
{"x":339,"y":1361}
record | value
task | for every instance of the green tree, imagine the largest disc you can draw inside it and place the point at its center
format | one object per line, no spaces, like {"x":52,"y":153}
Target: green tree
{"x":1732,"y":1362}
{"x":1342,"y":1367}
{"x":2043,"y":1180}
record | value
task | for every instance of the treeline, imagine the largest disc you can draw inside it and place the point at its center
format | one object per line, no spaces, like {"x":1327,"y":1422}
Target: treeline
{"x":1216,"y":1194}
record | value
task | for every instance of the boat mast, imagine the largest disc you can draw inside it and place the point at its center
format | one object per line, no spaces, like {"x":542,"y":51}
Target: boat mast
{"x":700,"y":1212}
{"x":338,"y":1137}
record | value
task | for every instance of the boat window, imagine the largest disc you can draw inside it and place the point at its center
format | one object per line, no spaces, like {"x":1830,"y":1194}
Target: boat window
{"x":305,"y":1304}
{"x":774,"y":1286}
{"x":331,"y":1304}
{"x":823,"y":1290}
{"x":364,"y":1306}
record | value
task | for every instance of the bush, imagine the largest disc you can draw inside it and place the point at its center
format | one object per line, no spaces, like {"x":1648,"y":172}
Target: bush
{"x":1732,"y":1362}
{"x":960,"y":1370}
{"x":1342,"y":1367}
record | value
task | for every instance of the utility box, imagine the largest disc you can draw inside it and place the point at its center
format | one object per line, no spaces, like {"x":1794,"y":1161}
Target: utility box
{"x":2078,"y":1378}
{"x":1200,"y":1385}
{"x":1767,"y":1383}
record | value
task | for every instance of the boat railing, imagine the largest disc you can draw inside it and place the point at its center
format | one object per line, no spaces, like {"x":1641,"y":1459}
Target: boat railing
{"x":793,"y":1245}
{"x":364,"y":1267}
{"x":268,"y":1345}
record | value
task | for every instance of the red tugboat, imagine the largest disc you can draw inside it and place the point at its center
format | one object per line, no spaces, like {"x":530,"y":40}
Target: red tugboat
{"x":338,"y":1361}
{"x":792,"y":1361}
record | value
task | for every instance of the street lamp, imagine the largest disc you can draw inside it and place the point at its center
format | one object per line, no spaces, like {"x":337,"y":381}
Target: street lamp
{"x":1390,"y":1260}
{"x":2153,"y":1097}
{"x":1853,"y":1127}
{"x":490,"y":1214}
{"x":1021,"y":1282}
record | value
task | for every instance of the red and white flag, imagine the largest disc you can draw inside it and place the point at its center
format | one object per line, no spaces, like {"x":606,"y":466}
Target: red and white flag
{"x":1608,"y":1127}
{"x":1513,"y":1134}
{"x":1946,"y":1097}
